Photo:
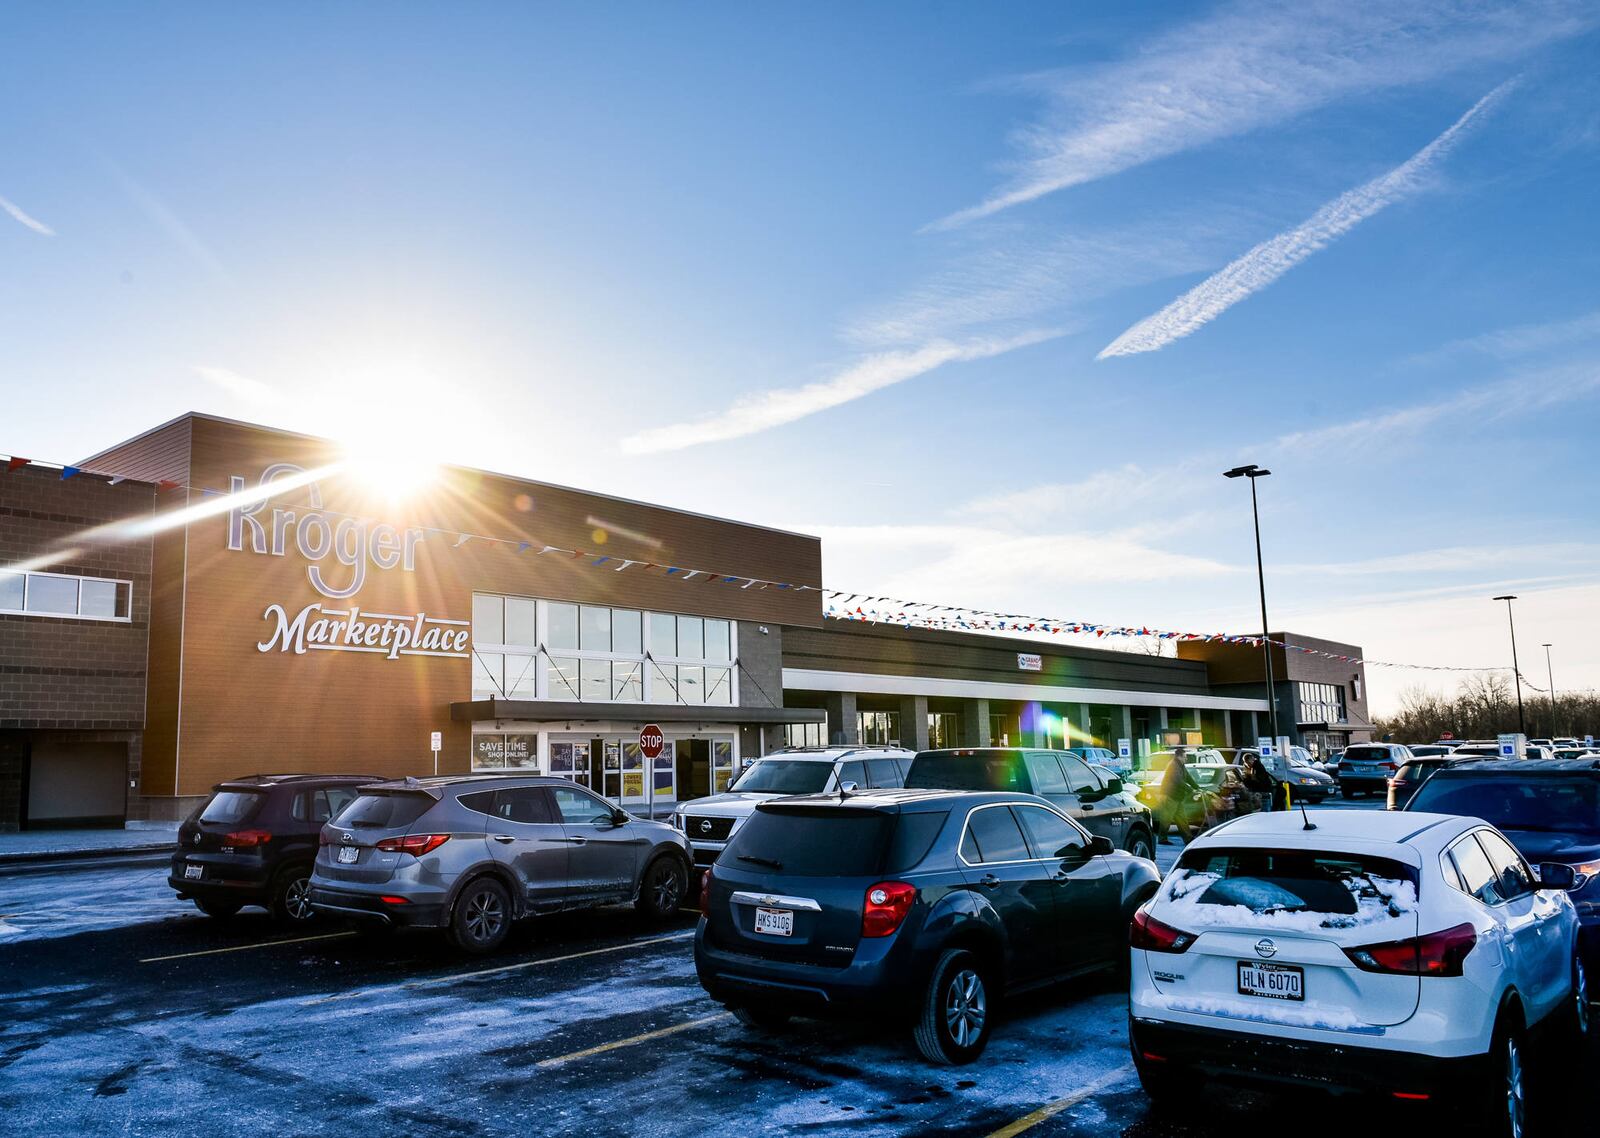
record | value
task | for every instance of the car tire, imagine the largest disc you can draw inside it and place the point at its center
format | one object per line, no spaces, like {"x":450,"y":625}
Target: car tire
{"x":217,"y":910}
{"x":662,"y":888}
{"x":1141,"y":844}
{"x":1577,"y":1026}
{"x":761,"y":1019}
{"x":291,"y":897}
{"x":1505,"y":1098}
{"x":957,"y":1010}
{"x":480,"y":920}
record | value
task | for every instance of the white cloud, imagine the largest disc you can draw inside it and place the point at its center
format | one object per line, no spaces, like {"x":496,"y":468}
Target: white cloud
{"x":1254,"y":65}
{"x":1518,"y":340}
{"x":871,"y":373}
{"x":240,"y":386}
{"x":1272,"y":258}
{"x":30,"y":221}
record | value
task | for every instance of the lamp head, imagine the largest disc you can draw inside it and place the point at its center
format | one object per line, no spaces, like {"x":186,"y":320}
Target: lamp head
{"x":1507,"y":598}
{"x":1249,"y":471}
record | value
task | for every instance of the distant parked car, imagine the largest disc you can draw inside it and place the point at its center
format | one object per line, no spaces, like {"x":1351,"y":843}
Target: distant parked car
{"x":254,"y":840}
{"x":1105,"y":808}
{"x":470,"y":854}
{"x":922,"y":907}
{"x":708,"y":823}
{"x":1367,"y":767}
{"x":1413,"y":957}
{"x":1430,"y":750}
{"x":1412,"y":774}
{"x":1550,"y":810}
{"x":1103,"y":757}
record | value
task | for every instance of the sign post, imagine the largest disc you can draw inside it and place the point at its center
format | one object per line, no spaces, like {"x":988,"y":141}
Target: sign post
{"x":1266,"y":746}
{"x":651,"y":743}
{"x":438,"y":745}
{"x":1125,"y":753}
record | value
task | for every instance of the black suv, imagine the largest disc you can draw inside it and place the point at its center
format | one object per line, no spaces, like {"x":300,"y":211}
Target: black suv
{"x":1098,"y":803}
{"x":1549,"y":808}
{"x":254,"y":840}
{"x":924,"y":906}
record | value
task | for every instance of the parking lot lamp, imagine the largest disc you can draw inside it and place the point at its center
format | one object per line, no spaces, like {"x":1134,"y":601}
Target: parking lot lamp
{"x":1516,"y":671}
{"x":1551,"y":673}
{"x":1252,"y":472}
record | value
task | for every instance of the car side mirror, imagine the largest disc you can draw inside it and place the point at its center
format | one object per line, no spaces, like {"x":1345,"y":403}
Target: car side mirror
{"x":1557,"y":875}
{"x":848,"y":787}
{"x":618,"y":818}
{"x":1114,"y":786}
{"x":1099,"y":846}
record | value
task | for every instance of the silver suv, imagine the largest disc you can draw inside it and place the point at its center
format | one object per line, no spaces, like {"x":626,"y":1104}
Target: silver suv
{"x":708,"y":823}
{"x":472,"y":853}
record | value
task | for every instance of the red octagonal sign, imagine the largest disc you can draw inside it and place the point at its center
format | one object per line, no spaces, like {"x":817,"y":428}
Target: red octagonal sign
{"x":651,"y":740}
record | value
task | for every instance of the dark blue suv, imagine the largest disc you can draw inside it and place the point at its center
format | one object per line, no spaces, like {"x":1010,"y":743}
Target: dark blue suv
{"x":923,"y":905}
{"x":1549,"y":808}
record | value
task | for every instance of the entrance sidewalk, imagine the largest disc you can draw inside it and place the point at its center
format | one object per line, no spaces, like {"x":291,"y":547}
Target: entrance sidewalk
{"x":48,"y":845}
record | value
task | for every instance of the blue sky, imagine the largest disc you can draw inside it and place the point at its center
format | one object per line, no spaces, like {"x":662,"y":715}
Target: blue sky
{"x":987,"y":296}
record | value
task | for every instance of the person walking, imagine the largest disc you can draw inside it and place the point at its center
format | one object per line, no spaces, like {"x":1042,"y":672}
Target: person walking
{"x":1259,"y":781}
{"x":1178,"y":789}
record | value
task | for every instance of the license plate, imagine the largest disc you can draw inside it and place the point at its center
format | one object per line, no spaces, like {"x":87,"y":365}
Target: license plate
{"x":348,"y":855}
{"x":1272,"y":981}
{"x":775,"y":922}
{"x":192,"y":872}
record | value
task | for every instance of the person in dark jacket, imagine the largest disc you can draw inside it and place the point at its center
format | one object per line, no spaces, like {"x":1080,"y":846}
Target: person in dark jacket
{"x":1178,"y":789}
{"x":1259,"y":780}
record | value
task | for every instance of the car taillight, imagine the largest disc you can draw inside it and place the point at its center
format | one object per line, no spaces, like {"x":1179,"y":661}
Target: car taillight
{"x":1436,"y":954}
{"x":394,"y":900}
{"x":242,"y":839}
{"x":414,"y":844}
{"x":886,"y":906}
{"x":1157,"y":936}
{"x":705,"y":894}
{"x":1389,"y":766}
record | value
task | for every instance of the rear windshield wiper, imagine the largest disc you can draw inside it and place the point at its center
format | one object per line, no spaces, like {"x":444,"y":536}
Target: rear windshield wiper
{"x":766,"y":861}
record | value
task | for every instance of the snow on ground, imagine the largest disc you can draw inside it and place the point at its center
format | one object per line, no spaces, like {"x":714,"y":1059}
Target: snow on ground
{"x":36,"y":906}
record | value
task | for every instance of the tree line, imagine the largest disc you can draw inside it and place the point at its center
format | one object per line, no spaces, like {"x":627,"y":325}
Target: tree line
{"x":1486,"y":706}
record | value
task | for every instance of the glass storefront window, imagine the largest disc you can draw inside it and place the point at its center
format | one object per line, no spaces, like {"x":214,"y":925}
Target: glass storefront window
{"x":52,"y":594}
{"x":691,"y":683}
{"x":522,"y":677}
{"x":627,"y":681}
{"x":664,"y":683}
{"x":488,"y":619}
{"x":719,"y":686}
{"x":718,"y":646}
{"x":663,"y":635}
{"x":521,"y":621}
{"x":878,"y":727}
{"x":562,"y":626}
{"x":488,"y":679}
{"x":97,"y":598}
{"x":11,"y":591}
{"x":561,"y":677}
{"x":627,"y":637}
{"x":596,"y":683}
{"x":594,"y":629}
{"x":691,"y":638}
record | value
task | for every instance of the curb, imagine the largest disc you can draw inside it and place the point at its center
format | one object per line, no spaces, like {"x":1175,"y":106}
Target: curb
{"x":34,"y":856}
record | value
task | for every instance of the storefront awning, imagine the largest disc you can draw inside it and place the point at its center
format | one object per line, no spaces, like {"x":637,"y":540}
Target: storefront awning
{"x":543,"y":709}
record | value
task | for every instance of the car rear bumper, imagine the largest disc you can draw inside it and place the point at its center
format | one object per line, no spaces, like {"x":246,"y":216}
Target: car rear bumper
{"x":1364,"y":782}
{"x":368,"y":906}
{"x":876,"y":982}
{"x":1263,"y":1060}
{"x":222,"y":876}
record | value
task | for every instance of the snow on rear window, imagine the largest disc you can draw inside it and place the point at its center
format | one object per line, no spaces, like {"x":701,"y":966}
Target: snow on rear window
{"x":1291,"y":890}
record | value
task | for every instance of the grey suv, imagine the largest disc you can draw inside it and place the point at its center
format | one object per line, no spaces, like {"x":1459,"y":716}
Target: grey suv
{"x":472,"y":853}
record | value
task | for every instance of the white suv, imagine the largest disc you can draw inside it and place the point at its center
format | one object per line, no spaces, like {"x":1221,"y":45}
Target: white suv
{"x":708,"y":823}
{"x":1410,"y":954}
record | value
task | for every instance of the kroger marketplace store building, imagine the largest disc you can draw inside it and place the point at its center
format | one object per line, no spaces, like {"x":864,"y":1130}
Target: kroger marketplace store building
{"x":328,"y":625}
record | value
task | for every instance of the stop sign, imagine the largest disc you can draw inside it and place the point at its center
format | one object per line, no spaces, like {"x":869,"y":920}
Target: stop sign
{"x":651,"y":740}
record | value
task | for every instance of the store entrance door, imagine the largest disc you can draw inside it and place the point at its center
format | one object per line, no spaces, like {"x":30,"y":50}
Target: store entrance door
{"x":694,"y":768}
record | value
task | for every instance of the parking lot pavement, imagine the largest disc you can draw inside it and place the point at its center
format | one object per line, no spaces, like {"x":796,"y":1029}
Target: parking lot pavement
{"x":167,"y":1023}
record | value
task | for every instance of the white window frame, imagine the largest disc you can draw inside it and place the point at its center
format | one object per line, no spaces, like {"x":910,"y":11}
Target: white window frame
{"x":541,"y":666}
{"x":78,"y":577}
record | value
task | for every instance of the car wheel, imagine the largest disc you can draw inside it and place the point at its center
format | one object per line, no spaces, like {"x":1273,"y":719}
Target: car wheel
{"x":1506,"y":1089}
{"x":762,"y":1019}
{"x":1141,"y":846}
{"x":661,"y":889}
{"x":1577,"y":1018}
{"x":481,"y":919}
{"x":291,"y":897}
{"x":217,"y":910}
{"x":954,"y":1023}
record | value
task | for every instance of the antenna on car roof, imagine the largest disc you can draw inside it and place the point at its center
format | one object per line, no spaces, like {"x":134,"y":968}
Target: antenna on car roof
{"x":1309,"y":824}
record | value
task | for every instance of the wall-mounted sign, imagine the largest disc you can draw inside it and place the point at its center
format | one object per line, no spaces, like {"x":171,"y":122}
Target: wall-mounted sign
{"x":1029,"y":662}
{"x":501,"y":752}
{"x":351,"y":630}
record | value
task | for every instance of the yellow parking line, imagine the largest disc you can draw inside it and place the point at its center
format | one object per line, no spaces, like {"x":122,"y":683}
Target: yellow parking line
{"x":1049,"y":1111}
{"x":430,"y":980}
{"x":659,"y":1033}
{"x":243,"y":947}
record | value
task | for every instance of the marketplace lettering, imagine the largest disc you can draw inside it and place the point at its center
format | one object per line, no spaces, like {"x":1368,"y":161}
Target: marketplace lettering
{"x":352,"y":541}
{"x":340,"y":630}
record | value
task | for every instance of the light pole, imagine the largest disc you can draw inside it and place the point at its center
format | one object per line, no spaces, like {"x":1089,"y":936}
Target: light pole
{"x":1550,"y":672}
{"x":1516,"y":670}
{"x":1252,"y":472}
